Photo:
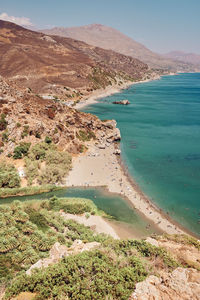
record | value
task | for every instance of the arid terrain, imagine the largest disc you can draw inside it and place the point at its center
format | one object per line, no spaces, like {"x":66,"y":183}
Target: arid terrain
{"x":66,"y":248}
{"x":109,"y":38}
{"x":60,"y":66}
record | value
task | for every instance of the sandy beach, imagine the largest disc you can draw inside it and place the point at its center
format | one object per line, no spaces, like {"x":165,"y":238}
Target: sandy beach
{"x":97,"y":223}
{"x":101,"y":167}
{"x":110,"y":90}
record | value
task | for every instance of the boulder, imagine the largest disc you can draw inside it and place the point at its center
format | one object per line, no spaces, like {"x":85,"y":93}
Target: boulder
{"x":122,"y":102}
{"x":181,"y":284}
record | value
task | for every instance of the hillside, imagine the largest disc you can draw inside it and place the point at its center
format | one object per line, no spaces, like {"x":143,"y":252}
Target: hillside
{"x":110,"y":38}
{"x":39,"y":135}
{"x":43,"y":255}
{"x":61,"y":66}
{"x":191,"y":58}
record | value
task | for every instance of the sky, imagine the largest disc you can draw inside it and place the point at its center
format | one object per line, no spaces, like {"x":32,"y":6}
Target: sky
{"x":161,"y":25}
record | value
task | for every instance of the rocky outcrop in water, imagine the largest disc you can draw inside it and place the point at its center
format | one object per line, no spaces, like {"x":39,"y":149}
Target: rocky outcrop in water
{"x":122,"y":102}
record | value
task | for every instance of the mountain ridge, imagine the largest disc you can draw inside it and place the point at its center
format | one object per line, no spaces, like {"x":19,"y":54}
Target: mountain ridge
{"x":110,"y":38}
{"x":190,"y":57}
{"x":51,"y":63}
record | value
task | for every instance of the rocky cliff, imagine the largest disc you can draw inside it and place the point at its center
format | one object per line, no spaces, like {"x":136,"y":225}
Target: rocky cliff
{"x":29,"y":118}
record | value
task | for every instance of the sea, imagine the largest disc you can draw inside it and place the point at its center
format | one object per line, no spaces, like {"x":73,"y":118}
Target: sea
{"x":160,"y":142}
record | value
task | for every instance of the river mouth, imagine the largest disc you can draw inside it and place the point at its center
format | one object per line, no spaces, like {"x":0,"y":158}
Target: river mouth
{"x":125,"y":220}
{"x":160,"y":143}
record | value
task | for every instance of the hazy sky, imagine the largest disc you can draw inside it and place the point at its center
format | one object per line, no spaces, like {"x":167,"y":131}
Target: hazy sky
{"x":161,"y":25}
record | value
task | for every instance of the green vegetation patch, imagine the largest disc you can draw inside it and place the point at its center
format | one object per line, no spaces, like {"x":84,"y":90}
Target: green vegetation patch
{"x":89,"y":275}
{"x":85,"y":135}
{"x":73,"y":205}
{"x":3,"y":122}
{"x":29,"y":190}
{"x":21,"y":150}
{"x":56,"y":168}
{"x":29,"y":229}
{"x":9,"y":177}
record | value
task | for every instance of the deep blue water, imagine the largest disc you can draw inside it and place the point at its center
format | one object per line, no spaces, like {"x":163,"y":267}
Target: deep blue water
{"x":161,"y":141}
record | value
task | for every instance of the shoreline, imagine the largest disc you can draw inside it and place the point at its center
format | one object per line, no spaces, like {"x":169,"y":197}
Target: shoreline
{"x":139,"y":201}
{"x":110,"y":90}
{"x":151,"y":203}
{"x":101,"y":168}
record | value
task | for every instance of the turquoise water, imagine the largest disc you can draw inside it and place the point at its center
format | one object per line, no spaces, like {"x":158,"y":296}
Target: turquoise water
{"x":126,"y":217}
{"x":161,"y":141}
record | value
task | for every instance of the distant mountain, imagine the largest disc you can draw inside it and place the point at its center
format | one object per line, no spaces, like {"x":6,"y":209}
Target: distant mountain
{"x":191,"y":58}
{"x":43,"y":62}
{"x":110,"y":38}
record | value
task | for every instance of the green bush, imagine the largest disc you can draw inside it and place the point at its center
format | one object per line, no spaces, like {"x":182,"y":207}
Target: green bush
{"x":52,"y":174}
{"x":48,"y":140}
{"x":25,"y":131}
{"x":3,"y":122}
{"x":9,"y":177}
{"x":5,"y":137}
{"x":89,"y":275}
{"x":31,"y":170}
{"x":85,"y":135}
{"x":38,"y":151}
{"x":21,"y":150}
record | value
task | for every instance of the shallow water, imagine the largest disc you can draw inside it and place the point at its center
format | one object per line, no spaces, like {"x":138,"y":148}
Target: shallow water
{"x":161,"y":141}
{"x":127,"y":222}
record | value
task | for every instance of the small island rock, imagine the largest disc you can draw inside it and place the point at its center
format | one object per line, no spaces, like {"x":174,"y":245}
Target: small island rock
{"x":123,"y":102}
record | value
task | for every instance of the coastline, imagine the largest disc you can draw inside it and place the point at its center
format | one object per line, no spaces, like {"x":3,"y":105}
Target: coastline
{"x":100,"y":167}
{"x":110,"y":90}
{"x":126,"y":186}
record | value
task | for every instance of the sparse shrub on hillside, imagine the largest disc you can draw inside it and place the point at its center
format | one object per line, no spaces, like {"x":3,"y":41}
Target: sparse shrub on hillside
{"x":85,"y":135}
{"x":9,"y":177}
{"x":48,"y":140}
{"x":21,"y":150}
{"x":3,"y":122}
{"x":38,"y":135}
{"x":25,"y":131}
{"x":5,"y":137}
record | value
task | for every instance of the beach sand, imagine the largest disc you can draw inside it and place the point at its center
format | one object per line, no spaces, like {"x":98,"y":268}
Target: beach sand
{"x":97,"y":223}
{"x":100,"y":167}
{"x":110,"y":90}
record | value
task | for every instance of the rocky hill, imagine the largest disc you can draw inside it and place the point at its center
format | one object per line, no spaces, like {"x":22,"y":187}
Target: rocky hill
{"x":61,"y":66}
{"x":110,"y":38}
{"x":25,"y":117}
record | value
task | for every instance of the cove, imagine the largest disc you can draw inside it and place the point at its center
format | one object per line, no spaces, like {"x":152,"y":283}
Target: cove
{"x":160,"y":144}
